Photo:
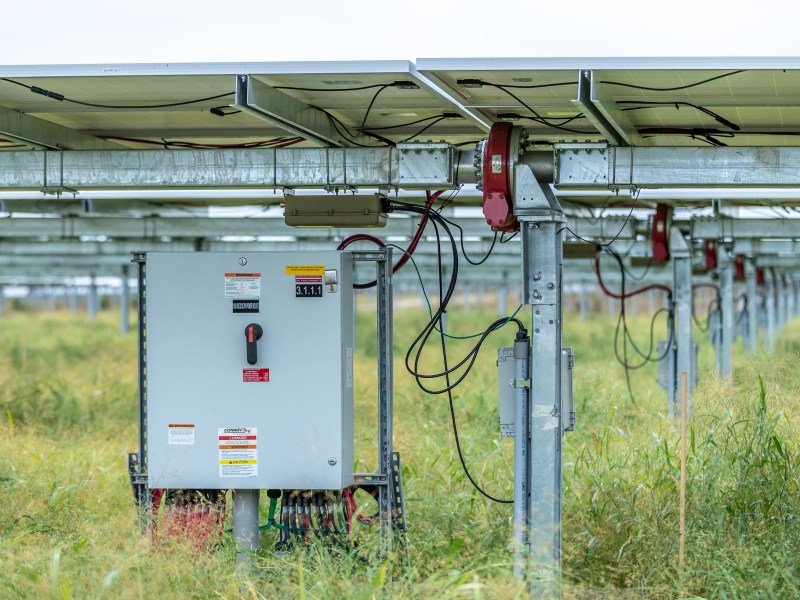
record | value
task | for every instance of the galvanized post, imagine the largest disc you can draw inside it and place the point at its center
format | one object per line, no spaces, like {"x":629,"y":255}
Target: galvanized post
{"x":542,"y":264}
{"x":541,"y":223}
{"x":752,"y":303}
{"x":682,"y":293}
{"x":125,"y":301}
{"x":2,"y":299}
{"x":727,"y":333}
{"x":769,"y":301}
{"x":502,"y":296}
{"x":245,"y":525}
{"x":779,"y":299}
{"x":789,"y":287}
{"x":72,"y":298}
{"x":91,"y":299}
{"x":795,"y":294}
{"x":584,"y":300}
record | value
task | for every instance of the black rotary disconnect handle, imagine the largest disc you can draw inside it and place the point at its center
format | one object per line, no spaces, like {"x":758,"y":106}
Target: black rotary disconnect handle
{"x":252,"y":333}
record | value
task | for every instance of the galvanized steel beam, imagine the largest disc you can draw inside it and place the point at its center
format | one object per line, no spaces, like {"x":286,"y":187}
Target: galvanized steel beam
{"x":600,"y":167}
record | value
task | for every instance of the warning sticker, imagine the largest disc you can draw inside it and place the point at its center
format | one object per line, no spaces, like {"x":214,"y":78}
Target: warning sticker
{"x":305,"y":270}
{"x":243,"y":285}
{"x":238,"y":452}
{"x":308,"y":279}
{"x":249,"y":375}
{"x":180,"y":434}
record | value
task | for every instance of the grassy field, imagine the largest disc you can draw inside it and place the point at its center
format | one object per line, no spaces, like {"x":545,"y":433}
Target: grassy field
{"x":67,"y":528}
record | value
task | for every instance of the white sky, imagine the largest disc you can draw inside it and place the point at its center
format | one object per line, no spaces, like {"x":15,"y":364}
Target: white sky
{"x":114,"y":31}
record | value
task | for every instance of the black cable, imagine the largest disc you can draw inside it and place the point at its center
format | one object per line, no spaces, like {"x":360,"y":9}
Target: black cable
{"x":654,"y":104}
{"x":672,"y":89}
{"x":349,"y":89}
{"x":464,"y":250}
{"x":515,"y":86}
{"x":424,"y":129}
{"x":536,"y":116}
{"x":614,"y":239}
{"x":409,"y":124}
{"x":347,"y":134}
{"x":449,"y":387}
{"x":509,"y":238}
{"x":371,"y":102}
{"x":63,"y":98}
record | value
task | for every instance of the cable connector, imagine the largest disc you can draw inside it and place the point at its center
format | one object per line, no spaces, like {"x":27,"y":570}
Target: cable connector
{"x":469,"y":83}
{"x":404,"y":85}
{"x":48,"y":93}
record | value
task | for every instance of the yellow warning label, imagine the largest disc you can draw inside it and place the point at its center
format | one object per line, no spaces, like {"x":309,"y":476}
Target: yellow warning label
{"x":238,"y":462}
{"x":305,"y":269}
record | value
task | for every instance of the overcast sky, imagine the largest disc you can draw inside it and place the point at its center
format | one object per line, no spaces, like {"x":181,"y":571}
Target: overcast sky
{"x":113,"y":31}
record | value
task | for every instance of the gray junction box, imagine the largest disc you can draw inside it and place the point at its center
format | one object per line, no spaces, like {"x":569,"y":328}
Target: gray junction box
{"x":227,"y":409}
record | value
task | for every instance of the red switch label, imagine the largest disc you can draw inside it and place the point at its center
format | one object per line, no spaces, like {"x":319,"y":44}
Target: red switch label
{"x":251,"y":375}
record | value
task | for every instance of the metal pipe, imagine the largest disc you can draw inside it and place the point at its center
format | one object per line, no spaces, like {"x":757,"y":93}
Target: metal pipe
{"x":521,"y":453}
{"x":682,"y":291}
{"x":752,"y":303}
{"x":245,"y":524}
{"x":125,"y":302}
{"x":769,"y":300}
{"x":725,"y":271}
{"x":91,"y":299}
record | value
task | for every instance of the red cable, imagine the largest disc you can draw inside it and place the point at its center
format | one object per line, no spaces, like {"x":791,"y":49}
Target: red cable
{"x":607,"y":292}
{"x":412,"y":246}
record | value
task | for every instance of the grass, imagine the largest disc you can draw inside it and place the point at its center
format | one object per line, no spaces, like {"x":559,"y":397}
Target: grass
{"x":67,"y":529}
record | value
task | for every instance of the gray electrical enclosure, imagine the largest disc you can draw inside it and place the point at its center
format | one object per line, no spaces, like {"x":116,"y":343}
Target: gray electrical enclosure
{"x":249,"y":370}
{"x":506,"y":391}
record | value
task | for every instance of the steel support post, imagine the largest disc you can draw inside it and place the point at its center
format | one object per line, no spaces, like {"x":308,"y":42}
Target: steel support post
{"x":542,"y":266}
{"x":2,"y":299}
{"x":727,"y":317}
{"x":584,"y":300}
{"x":752,"y":303}
{"x":769,"y":303}
{"x":796,"y":294}
{"x":72,"y":298}
{"x":502,"y":296}
{"x":125,"y":302}
{"x":789,"y":287}
{"x":92,"y":299}
{"x":245,"y":524}
{"x":779,"y":301}
{"x":682,"y":295}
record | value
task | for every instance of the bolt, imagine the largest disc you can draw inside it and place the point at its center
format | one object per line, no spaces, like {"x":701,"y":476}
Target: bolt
{"x":551,"y":285}
{"x":537,"y":294}
{"x":242,"y":261}
{"x":332,"y":461}
{"x":537,"y":276}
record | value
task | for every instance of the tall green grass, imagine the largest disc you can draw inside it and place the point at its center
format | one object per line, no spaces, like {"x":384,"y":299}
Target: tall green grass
{"x":68,"y":528}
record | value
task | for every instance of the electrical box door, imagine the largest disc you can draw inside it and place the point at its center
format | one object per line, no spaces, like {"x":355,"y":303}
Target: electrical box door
{"x":249,"y":370}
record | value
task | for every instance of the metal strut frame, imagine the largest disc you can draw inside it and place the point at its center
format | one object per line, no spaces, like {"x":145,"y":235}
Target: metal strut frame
{"x":137,"y":461}
{"x":388,"y":480}
{"x":386,"y":484}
